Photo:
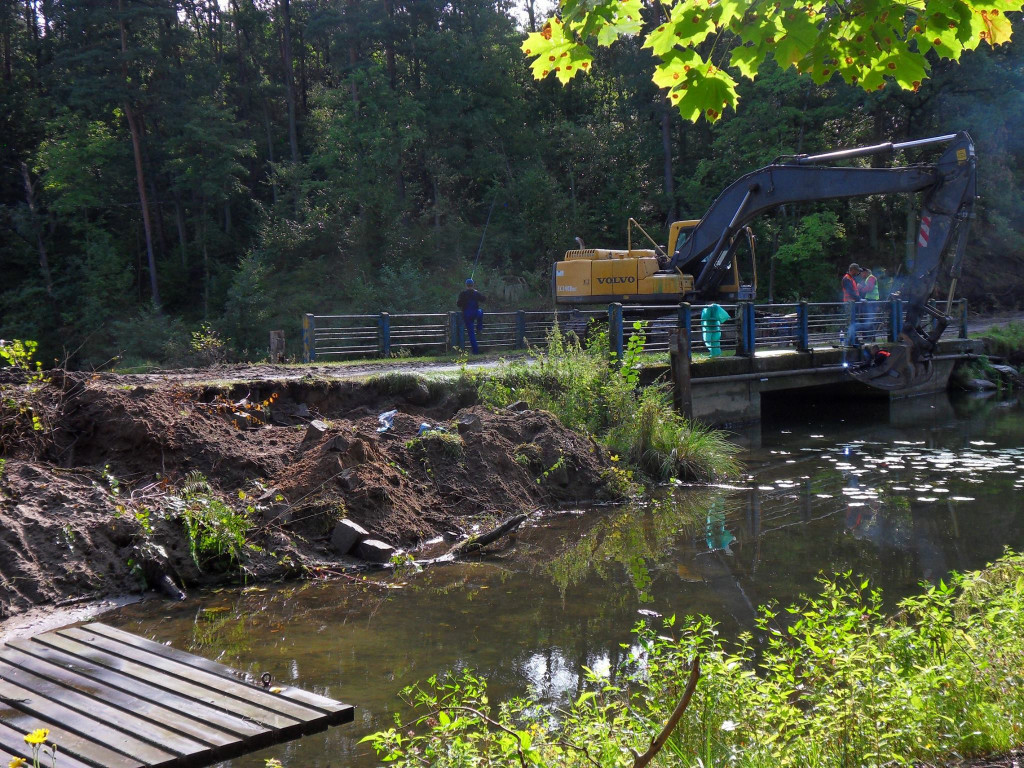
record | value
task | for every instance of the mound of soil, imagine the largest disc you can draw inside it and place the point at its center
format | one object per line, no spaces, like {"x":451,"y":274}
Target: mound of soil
{"x":92,"y":506}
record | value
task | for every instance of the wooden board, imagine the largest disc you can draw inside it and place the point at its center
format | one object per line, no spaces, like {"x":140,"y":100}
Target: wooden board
{"x":111,"y":699}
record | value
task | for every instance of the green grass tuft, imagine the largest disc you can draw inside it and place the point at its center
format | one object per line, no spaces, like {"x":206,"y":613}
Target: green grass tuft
{"x":587,"y":393}
{"x":448,"y":444}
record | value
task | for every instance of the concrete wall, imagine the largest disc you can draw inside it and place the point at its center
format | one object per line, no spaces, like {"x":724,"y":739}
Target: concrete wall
{"x":728,"y":390}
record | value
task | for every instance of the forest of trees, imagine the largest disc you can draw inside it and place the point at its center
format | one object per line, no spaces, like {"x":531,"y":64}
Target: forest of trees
{"x":172,"y":164}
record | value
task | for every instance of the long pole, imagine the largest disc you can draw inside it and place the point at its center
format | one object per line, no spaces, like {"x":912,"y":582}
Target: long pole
{"x":480,"y":248}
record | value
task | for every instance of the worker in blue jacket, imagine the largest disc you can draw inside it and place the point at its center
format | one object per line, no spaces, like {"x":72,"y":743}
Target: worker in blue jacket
{"x":472,"y":315}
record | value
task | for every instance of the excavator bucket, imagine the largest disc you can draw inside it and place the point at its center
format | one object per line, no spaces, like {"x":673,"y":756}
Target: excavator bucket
{"x":905,"y":368}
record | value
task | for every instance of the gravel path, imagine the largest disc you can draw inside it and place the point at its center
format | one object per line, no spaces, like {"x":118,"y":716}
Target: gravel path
{"x":266,"y":371}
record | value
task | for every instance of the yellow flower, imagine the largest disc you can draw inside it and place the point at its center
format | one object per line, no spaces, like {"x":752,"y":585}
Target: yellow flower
{"x":38,"y":736}
{"x":17,"y":762}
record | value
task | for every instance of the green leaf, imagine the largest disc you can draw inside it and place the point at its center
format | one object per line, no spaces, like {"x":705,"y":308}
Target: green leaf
{"x":747,"y":59}
{"x":585,"y":697}
{"x":706,"y":93}
{"x":908,"y":69}
{"x":674,"y":69}
{"x":662,"y":39}
{"x":556,"y":51}
{"x":801,"y":35}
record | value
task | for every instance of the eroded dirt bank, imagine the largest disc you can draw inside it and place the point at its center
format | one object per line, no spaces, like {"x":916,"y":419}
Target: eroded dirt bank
{"x":94,"y":504}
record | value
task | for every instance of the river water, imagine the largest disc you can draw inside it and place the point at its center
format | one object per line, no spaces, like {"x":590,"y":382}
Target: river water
{"x":899,"y":493}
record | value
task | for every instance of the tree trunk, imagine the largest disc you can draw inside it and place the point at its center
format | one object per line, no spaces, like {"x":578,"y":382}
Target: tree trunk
{"x":140,"y":180}
{"x":666,"y":148}
{"x":531,"y":14}
{"x":206,"y":266}
{"x":389,"y":44}
{"x":270,"y":148}
{"x":353,"y":51}
{"x":30,"y":198}
{"x":302,"y":73}
{"x":289,"y":79}
{"x":8,"y":71}
{"x":140,"y":177}
{"x":182,"y":236}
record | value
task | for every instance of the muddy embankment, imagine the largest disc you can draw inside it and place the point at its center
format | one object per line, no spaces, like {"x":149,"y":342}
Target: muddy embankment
{"x":92,"y":504}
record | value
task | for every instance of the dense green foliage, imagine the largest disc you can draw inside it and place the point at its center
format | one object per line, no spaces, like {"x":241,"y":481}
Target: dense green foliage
{"x":870,"y":44}
{"x":830,"y":682}
{"x":165,"y":164}
{"x":640,"y":426}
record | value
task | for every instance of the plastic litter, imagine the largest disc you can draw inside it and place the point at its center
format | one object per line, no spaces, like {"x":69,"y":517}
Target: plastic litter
{"x":425,"y":427}
{"x":387,"y":420}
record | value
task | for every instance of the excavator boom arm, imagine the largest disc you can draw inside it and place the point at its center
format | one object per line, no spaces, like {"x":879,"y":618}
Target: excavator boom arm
{"x":949,"y":183}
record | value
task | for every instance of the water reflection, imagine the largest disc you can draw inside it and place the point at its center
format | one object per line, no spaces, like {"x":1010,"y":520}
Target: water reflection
{"x":930,"y":488}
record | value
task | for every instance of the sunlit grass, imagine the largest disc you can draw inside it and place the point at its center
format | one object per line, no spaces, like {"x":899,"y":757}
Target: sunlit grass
{"x":586,"y":392}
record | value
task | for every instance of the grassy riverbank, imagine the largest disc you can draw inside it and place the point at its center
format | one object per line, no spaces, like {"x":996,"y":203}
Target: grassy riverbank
{"x":586,"y":393}
{"x":830,"y":682}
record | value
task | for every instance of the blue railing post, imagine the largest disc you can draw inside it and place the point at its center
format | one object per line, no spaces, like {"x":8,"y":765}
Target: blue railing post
{"x":686,"y":324}
{"x":308,"y":338}
{"x":384,"y":334}
{"x":747,"y":330}
{"x":803,"y":332}
{"x":520,"y":329}
{"x":895,"y":319}
{"x":963,"y":318}
{"x":615,"y":332}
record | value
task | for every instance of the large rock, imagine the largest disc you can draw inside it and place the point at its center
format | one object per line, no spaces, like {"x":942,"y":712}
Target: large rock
{"x":979,"y":385}
{"x":346,"y":536}
{"x":276,"y":514}
{"x":338,"y":444}
{"x":469,"y":424}
{"x":518,"y":406}
{"x":374,"y":551}
{"x":315,"y":431}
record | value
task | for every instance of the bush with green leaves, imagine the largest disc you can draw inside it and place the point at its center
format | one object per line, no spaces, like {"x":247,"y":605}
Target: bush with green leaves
{"x":23,"y":416}
{"x":832,"y":681}
{"x":216,"y":531}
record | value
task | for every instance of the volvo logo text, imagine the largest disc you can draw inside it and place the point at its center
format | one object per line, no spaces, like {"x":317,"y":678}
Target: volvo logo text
{"x":615,"y":280}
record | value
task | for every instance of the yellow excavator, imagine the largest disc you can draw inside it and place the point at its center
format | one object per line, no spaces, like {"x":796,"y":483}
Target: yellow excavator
{"x":645,"y":275}
{"x":703,"y":265}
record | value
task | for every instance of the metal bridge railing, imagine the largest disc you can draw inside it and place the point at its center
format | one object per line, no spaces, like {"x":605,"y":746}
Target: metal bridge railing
{"x":748,"y":328}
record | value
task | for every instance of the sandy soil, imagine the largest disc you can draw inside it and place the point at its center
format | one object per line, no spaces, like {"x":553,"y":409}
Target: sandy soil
{"x":92,"y":506}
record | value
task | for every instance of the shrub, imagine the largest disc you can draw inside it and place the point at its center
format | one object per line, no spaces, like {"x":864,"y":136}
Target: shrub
{"x":829,"y":682}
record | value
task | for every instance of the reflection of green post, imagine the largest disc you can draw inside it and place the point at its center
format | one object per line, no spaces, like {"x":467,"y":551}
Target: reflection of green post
{"x":715,"y":533}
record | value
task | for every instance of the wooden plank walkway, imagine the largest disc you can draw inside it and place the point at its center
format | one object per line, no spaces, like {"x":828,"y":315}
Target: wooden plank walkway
{"x":111,"y":699}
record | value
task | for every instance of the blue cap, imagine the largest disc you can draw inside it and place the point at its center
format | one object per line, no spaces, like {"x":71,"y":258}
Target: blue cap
{"x":469,"y":281}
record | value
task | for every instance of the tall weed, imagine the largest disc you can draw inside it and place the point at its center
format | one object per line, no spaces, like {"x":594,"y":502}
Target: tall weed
{"x":580,"y":385}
